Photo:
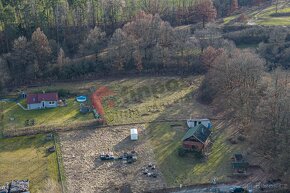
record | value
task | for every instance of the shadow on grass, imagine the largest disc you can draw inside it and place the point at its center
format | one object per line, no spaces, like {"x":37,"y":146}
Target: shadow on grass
{"x":18,"y":143}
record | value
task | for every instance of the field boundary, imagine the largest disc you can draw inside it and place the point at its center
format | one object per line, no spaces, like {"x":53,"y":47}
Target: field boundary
{"x":59,"y":163}
{"x":42,"y":129}
{"x":208,"y":185}
{"x":188,"y":187}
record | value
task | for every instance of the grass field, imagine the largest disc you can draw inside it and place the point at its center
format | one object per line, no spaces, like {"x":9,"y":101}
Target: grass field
{"x":26,"y":158}
{"x":67,"y":114}
{"x":135,"y":100}
{"x":264,"y":17}
{"x":143,"y":100}
{"x":166,"y":140}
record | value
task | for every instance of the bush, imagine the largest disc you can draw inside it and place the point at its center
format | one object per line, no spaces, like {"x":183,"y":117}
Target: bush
{"x":206,"y":92}
{"x":253,"y":35}
{"x":181,"y":152}
{"x":63,"y":93}
{"x":241,"y":138}
{"x":282,"y":14}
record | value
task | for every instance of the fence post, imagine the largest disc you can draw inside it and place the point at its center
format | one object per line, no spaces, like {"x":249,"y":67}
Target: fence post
{"x":59,"y":161}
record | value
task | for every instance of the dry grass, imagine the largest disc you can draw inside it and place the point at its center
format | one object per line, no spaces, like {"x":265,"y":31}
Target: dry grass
{"x":86,"y":173}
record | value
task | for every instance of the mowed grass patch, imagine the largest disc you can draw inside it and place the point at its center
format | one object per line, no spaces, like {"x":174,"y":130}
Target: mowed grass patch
{"x":26,"y":158}
{"x":265,"y":17}
{"x":58,"y":115}
{"x":144,"y":100}
{"x":166,"y":140}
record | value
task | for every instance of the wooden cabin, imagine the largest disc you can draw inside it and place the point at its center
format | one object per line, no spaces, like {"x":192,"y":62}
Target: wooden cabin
{"x":196,"y":138}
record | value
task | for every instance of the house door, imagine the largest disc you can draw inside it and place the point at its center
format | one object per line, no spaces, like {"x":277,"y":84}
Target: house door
{"x":43,"y":104}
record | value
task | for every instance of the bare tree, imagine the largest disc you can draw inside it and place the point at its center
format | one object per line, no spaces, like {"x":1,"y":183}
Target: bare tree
{"x":41,"y":47}
{"x":93,"y":42}
{"x":205,"y":11}
{"x":273,"y":122}
{"x":234,"y":6}
{"x":209,"y":55}
{"x":154,"y":6}
{"x":236,"y":76}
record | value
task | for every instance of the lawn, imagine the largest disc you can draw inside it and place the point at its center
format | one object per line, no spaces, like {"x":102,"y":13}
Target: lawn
{"x":134,"y":100}
{"x":166,"y":140}
{"x":26,"y":158}
{"x":247,"y":46}
{"x":144,"y":100}
{"x":62,"y":115}
{"x":264,"y":17}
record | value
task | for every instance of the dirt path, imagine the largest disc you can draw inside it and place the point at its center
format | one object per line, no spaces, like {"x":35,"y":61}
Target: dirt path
{"x":85,"y":173}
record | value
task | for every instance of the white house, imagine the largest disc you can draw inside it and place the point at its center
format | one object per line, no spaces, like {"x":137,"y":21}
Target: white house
{"x":194,"y":122}
{"x":134,"y":134}
{"x":41,"y":101}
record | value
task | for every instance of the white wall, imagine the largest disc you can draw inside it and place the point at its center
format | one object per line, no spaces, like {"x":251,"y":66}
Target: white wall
{"x":194,"y":122}
{"x":40,"y":106}
{"x":34,"y":106}
{"x":134,"y":136}
{"x":47,"y":105}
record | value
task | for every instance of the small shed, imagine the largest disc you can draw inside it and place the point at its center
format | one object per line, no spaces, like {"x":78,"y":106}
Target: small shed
{"x":239,"y":164}
{"x":194,"y":122}
{"x":134,"y":134}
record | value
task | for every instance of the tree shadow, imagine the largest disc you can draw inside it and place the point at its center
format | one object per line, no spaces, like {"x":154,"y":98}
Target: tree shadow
{"x":24,"y":142}
{"x":126,"y":145}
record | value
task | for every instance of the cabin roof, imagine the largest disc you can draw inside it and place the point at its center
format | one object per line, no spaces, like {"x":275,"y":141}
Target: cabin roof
{"x":200,"y":132}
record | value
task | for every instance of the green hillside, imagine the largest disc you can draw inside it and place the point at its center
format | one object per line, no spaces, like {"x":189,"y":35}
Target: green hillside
{"x":264,"y":15}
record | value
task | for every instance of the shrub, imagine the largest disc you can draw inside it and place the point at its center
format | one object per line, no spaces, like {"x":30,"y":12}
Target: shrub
{"x":63,"y":93}
{"x":282,"y":14}
{"x":181,"y":152}
{"x":198,"y":155}
{"x":253,"y":35}
{"x":207,"y":92}
{"x":241,"y":138}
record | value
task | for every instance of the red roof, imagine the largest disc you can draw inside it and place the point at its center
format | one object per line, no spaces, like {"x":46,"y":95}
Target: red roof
{"x":37,"y":98}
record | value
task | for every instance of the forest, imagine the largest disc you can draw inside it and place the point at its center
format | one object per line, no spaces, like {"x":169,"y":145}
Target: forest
{"x":57,"y":40}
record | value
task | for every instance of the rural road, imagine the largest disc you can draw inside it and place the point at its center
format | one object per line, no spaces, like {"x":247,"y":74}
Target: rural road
{"x":221,"y":188}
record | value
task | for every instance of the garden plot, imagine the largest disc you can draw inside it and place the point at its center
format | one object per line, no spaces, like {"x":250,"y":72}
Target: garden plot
{"x":85,"y":172}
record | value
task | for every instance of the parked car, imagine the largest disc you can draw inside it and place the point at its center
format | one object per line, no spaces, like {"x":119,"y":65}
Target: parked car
{"x":107,"y":156}
{"x":238,"y":190}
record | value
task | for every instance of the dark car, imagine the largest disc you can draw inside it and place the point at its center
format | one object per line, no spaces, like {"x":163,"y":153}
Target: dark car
{"x":107,"y":156}
{"x":238,"y":190}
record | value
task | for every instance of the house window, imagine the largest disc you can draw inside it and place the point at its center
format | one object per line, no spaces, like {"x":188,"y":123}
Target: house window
{"x":51,"y":102}
{"x":199,"y":122}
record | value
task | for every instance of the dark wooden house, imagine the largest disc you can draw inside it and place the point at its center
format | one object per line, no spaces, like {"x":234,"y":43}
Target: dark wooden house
{"x":196,"y":138}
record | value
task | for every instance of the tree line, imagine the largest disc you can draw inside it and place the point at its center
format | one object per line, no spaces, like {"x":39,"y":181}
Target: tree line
{"x":146,"y":43}
{"x":258,"y":101}
{"x":66,"y":21}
